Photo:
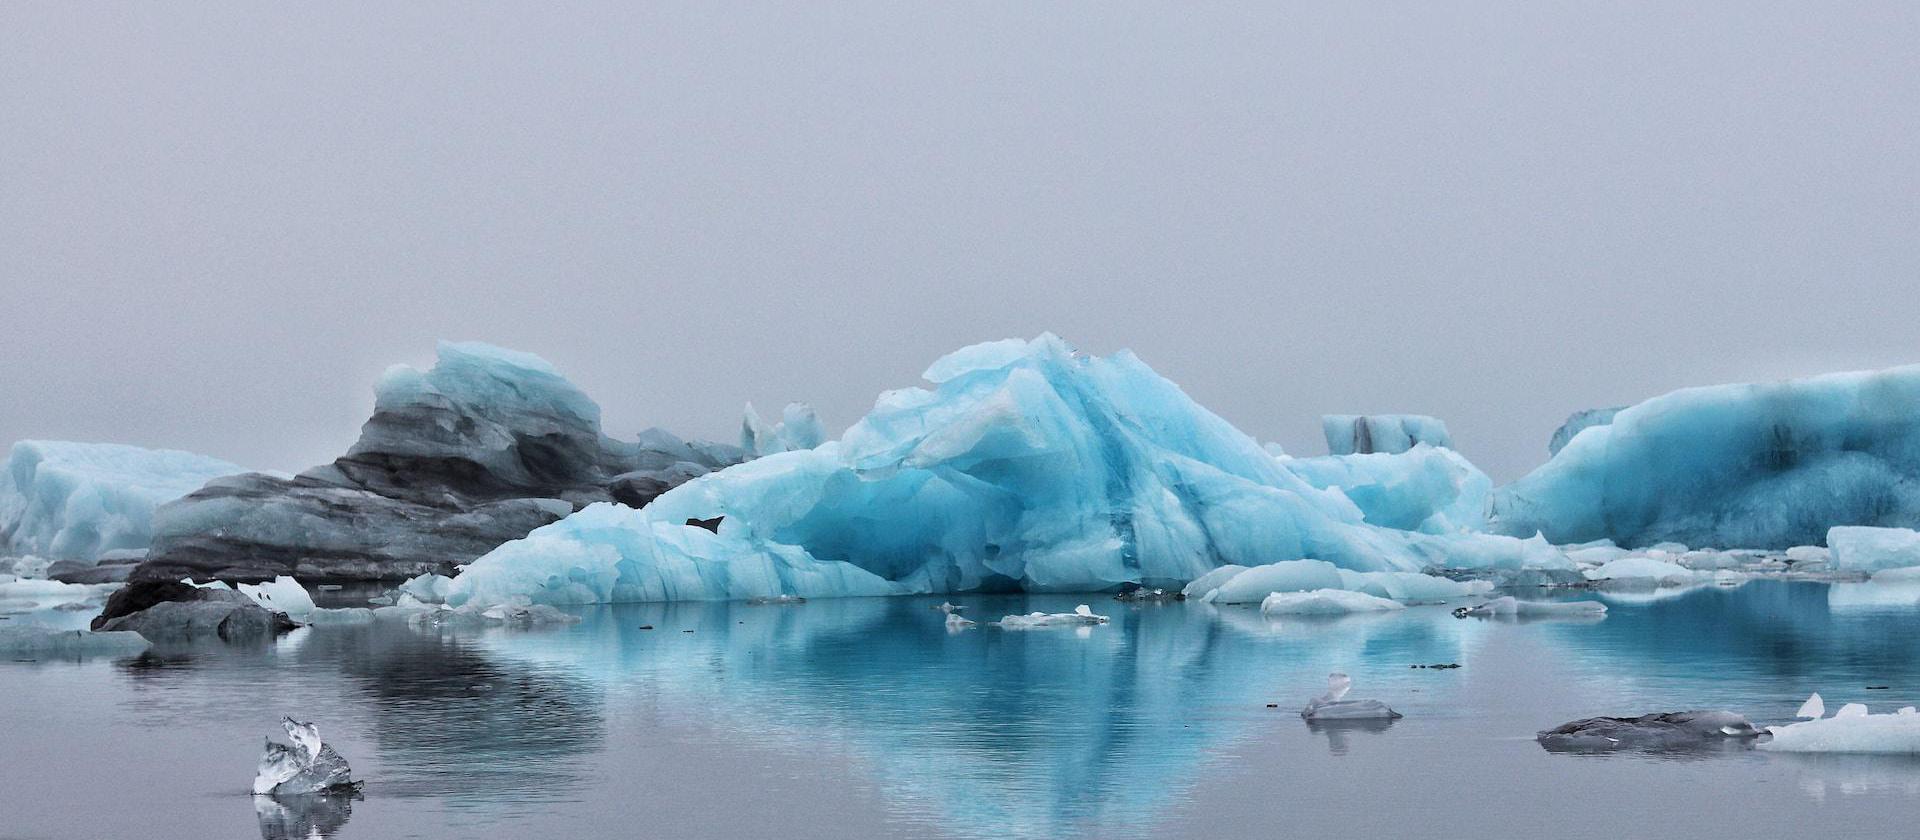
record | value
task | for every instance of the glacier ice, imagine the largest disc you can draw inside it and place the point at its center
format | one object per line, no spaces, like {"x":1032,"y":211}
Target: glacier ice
{"x":1082,"y":616}
{"x":1252,"y":585}
{"x":1852,"y":729}
{"x":482,"y":448}
{"x":1579,"y":421}
{"x":1363,"y":434}
{"x":35,"y":641}
{"x":1755,"y":466}
{"x":1326,"y":602}
{"x":303,"y":766}
{"x":75,"y":501}
{"x":1643,"y":570}
{"x":1026,"y":466}
{"x":1333,"y":705}
{"x":1863,"y":549}
{"x":799,"y":428}
{"x":1425,"y":488}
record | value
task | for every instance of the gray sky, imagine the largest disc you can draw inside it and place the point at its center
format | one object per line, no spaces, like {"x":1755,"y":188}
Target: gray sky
{"x":220,"y":221}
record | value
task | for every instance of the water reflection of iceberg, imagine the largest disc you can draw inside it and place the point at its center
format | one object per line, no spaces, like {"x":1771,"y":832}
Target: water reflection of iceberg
{"x":301,"y":817}
{"x":1037,"y":734}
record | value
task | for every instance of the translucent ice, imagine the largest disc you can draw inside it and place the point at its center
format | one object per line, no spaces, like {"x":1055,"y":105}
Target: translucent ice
{"x":1851,"y":730}
{"x":1357,"y":434}
{"x":1424,"y":488}
{"x":74,"y":501}
{"x":1244,"y":585}
{"x":1859,"y":549}
{"x":799,"y":428}
{"x":1026,"y":466}
{"x":1755,"y":466}
{"x":1325,"y":602}
{"x":304,"y":766}
{"x":1333,"y":705}
{"x":1251,"y":586}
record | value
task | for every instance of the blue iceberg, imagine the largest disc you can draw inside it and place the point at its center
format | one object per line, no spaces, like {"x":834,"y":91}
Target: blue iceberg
{"x":1365,"y":434}
{"x":1769,"y":465}
{"x":1027,"y":466}
{"x":76,"y":501}
{"x":1426,"y":488}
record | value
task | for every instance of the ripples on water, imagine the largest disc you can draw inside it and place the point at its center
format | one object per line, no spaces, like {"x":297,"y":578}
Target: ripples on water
{"x":865,"y":717}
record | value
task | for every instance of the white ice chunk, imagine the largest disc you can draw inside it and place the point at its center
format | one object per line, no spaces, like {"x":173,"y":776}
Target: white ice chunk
{"x":1325,"y":602}
{"x":1851,"y":730}
{"x":282,"y":594}
{"x":1082,"y":616}
{"x":1860,"y":549}
{"x":1333,"y":705}
{"x":1813,"y":708}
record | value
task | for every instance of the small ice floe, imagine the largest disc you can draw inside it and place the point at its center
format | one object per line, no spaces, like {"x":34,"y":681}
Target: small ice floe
{"x":1507,"y":605}
{"x":954,"y":621}
{"x":1698,"y":729}
{"x":305,"y":766}
{"x":1333,"y":705}
{"x":1082,"y":616}
{"x":1851,"y":730}
{"x":1326,"y":602}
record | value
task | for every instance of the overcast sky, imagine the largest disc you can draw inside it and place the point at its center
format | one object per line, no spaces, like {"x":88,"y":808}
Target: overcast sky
{"x":220,"y":221}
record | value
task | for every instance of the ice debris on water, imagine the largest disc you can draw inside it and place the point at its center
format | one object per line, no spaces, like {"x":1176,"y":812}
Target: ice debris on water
{"x":303,"y":766}
{"x":1333,"y":705}
{"x":282,"y":594}
{"x":1025,"y":466}
{"x":1852,"y":729}
{"x":1082,"y":616}
{"x":1873,"y":550}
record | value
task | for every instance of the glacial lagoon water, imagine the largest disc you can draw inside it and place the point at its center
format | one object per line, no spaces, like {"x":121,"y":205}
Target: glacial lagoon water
{"x":867,"y":718}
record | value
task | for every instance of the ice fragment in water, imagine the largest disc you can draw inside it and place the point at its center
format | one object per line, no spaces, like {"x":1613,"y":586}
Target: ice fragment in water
{"x":1333,"y":705}
{"x":305,"y":766}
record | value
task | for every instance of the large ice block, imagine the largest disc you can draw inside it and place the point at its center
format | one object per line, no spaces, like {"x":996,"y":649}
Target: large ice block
{"x":75,"y":501}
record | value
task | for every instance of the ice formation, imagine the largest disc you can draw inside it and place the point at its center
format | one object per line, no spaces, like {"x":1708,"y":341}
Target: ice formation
{"x":1755,"y":466}
{"x":1244,"y":585}
{"x":282,"y":594}
{"x":1363,"y":434}
{"x":1851,"y":730}
{"x":1082,"y":616}
{"x":1333,"y":705}
{"x":1860,"y":549}
{"x":481,"y":449}
{"x":1507,"y":605}
{"x":304,"y":766}
{"x":1579,"y":421}
{"x":799,"y":428}
{"x":74,"y":501}
{"x":1026,"y":466}
{"x":1642,"y":570}
{"x":1326,"y":602}
{"x":1424,"y":488}
{"x":35,"y":641}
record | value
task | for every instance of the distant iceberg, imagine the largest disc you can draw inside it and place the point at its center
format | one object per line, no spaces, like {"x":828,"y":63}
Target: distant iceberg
{"x":75,"y":501}
{"x":1751,"y":466}
{"x":1027,"y":466}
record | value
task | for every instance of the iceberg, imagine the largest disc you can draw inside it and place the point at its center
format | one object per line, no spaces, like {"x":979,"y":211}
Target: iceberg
{"x":61,"y":500}
{"x":1333,"y":705}
{"x":304,"y":766}
{"x":1326,"y":602}
{"x":1757,"y":466}
{"x":1425,"y":488}
{"x":1873,"y":550}
{"x":1365,"y":434}
{"x":799,"y":428}
{"x":484,"y":447}
{"x":1579,"y":421}
{"x":1852,"y":729}
{"x":1027,"y":466}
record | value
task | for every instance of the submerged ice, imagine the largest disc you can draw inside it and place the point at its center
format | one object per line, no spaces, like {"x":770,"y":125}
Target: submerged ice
{"x":1025,"y":466}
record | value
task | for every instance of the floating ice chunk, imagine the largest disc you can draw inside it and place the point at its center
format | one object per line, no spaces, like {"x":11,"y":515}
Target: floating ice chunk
{"x":1354,"y":434}
{"x":32,"y":641}
{"x":799,"y":428}
{"x":282,"y":594}
{"x":1082,"y":616}
{"x":321,"y":617}
{"x":1253,"y":585}
{"x":1758,"y":466}
{"x":1425,"y":488}
{"x":1907,"y":574}
{"x":1662,"y":731}
{"x":1507,"y":605}
{"x":954,"y":621}
{"x":73,"y":501}
{"x":1410,"y":587}
{"x":1810,"y":554}
{"x":1860,"y":549}
{"x":1333,"y":705}
{"x":428,"y":588}
{"x":306,"y":766}
{"x":1851,"y":730}
{"x":1325,"y":602}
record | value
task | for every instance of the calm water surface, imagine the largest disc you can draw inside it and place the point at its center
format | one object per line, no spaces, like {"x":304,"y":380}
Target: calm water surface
{"x":864,"y":717}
